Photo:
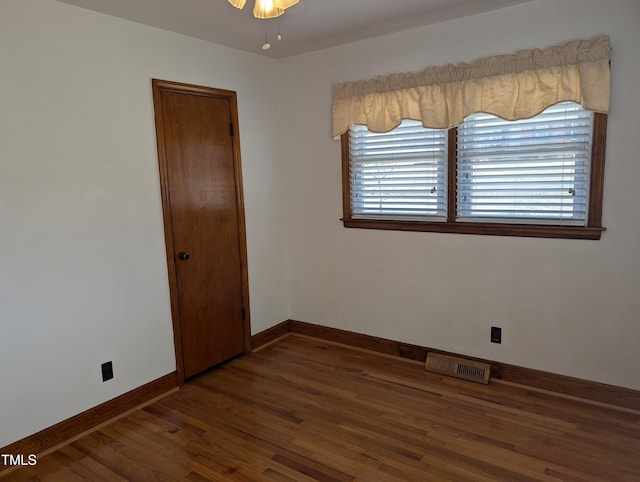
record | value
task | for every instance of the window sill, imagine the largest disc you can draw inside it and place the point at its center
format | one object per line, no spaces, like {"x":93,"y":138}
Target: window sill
{"x":493,"y":229}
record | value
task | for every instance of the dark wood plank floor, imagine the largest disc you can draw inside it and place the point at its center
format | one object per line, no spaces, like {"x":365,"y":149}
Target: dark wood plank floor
{"x":304,"y":409}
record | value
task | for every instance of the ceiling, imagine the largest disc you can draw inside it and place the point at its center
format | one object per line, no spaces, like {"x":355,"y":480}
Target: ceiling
{"x":310,"y":25}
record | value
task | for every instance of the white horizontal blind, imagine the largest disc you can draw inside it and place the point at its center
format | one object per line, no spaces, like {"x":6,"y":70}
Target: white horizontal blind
{"x":531,"y":171}
{"x":399,"y":174}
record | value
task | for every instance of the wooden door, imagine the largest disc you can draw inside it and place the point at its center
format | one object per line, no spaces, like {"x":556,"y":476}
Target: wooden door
{"x":198,"y":153}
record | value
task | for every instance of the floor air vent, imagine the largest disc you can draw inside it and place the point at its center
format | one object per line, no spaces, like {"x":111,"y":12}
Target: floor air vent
{"x":458,"y":367}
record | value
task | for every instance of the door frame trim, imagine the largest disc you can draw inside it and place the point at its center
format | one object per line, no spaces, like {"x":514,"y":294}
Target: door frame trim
{"x":158,"y":87}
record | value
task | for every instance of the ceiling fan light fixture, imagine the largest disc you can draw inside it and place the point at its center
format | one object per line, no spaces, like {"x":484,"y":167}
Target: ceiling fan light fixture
{"x":284,"y":4}
{"x":238,"y":3}
{"x":266,"y":9}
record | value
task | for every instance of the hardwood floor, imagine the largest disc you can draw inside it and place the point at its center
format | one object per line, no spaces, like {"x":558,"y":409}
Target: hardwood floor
{"x":305,"y":409}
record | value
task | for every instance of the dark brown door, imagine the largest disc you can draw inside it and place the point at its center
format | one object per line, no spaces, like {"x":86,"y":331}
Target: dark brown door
{"x":202,"y":201}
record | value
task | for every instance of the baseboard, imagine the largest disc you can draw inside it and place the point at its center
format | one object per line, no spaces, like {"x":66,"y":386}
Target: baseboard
{"x":560,"y":384}
{"x":67,"y":429}
{"x":576,"y":387}
{"x":367,"y":342}
{"x":271,"y":334}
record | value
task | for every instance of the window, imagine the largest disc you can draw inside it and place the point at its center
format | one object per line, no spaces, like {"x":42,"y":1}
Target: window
{"x":537,"y":177}
{"x":532,"y":170}
{"x":398,"y":174}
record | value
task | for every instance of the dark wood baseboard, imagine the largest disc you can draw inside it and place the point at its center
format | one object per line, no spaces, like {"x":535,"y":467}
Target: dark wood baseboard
{"x":367,"y":342}
{"x":597,"y":392}
{"x":561,"y":384}
{"x":89,"y":419}
{"x":270,"y":334}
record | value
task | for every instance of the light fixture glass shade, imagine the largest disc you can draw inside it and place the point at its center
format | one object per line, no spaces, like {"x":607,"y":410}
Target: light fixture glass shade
{"x":284,"y":4}
{"x":266,"y":9}
{"x":238,"y":3}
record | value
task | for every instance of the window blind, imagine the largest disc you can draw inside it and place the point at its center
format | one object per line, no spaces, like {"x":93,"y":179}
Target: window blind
{"x":401,"y":173}
{"x":531,"y":170}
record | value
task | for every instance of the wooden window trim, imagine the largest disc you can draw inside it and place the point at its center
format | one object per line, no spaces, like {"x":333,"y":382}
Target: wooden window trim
{"x":593,"y":230}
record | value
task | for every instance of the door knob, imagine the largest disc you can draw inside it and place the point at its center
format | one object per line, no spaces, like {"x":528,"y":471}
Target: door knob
{"x":183,"y":255}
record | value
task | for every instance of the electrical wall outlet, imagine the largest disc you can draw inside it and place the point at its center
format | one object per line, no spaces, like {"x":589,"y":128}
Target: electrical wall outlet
{"x":107,"y":371}
{"x":496,"y":334}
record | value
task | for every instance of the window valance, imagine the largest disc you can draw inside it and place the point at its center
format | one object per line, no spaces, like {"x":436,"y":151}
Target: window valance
{"x":515,"y":86}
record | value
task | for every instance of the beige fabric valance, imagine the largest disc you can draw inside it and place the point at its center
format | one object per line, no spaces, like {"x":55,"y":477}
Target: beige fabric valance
{"x":514,"y":86}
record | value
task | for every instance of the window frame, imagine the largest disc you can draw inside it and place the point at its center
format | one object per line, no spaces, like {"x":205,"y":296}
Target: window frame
{"x":593,"y":230}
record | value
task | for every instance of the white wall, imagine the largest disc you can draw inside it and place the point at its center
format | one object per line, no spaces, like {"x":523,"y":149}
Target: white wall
{"x":566,"y":306}
{"x":83,"y":275}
